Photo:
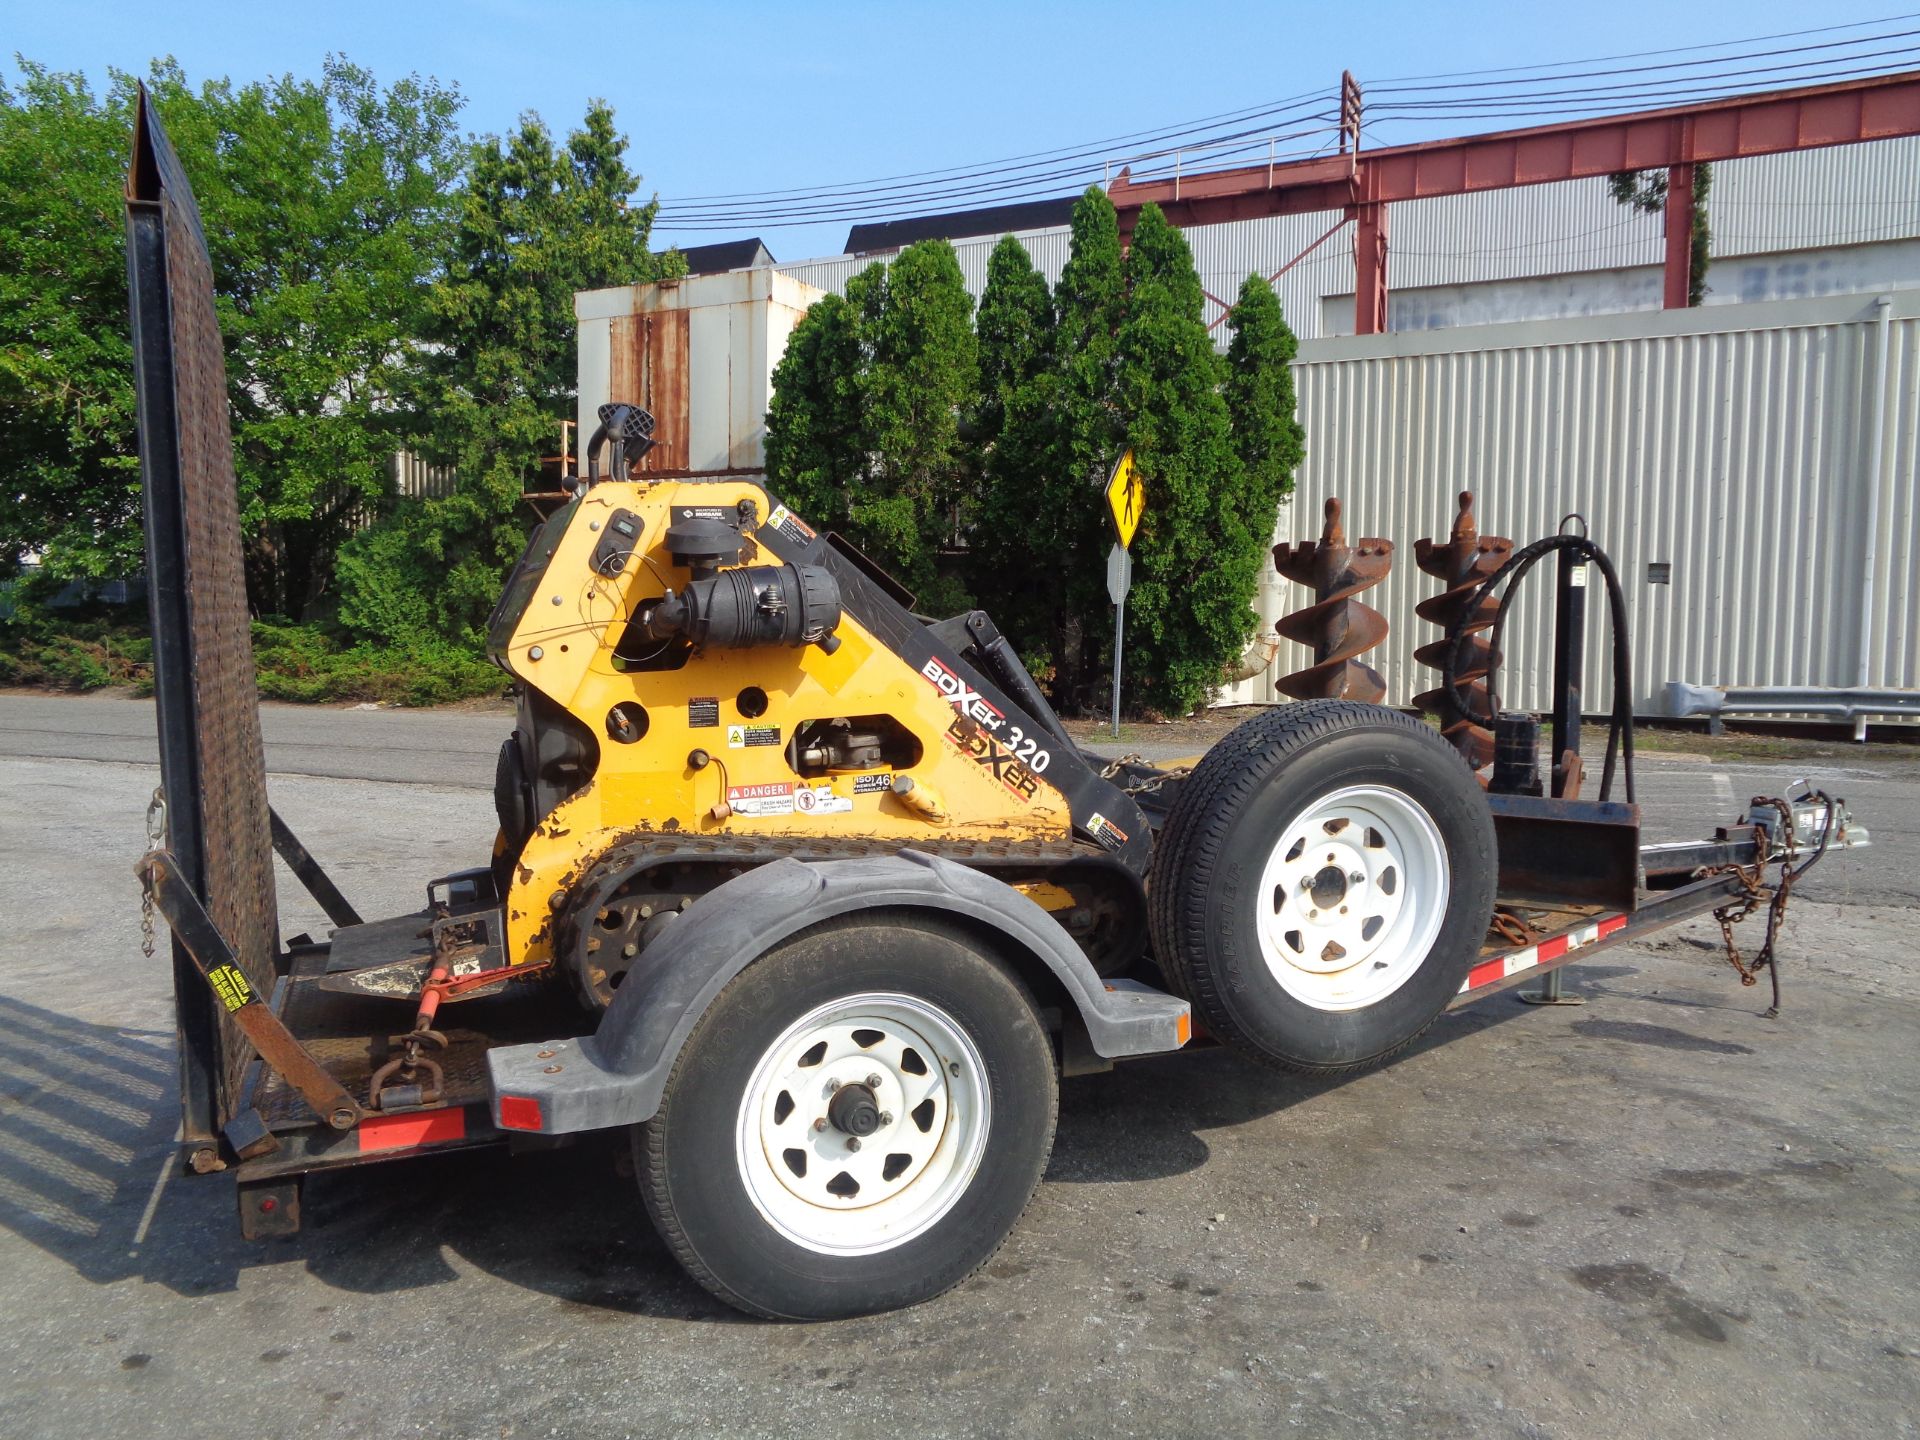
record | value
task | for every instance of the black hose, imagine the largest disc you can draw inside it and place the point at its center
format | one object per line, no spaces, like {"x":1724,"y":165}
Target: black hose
{"x":1620,"y":721}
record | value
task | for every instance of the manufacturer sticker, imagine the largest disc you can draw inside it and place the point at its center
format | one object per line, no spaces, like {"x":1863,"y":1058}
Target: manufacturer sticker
{"x":744,"y":737}
{"x":725,"y":514}
{"x":974,"y":706}
{"x":1106,"y":832}
{"x":820,"y":800}
{"x":703,"y":712}
{"x":759,"y":801}
{"x":784,"y":522}
{"x":872,"y":784}
{"x":990,"y":755}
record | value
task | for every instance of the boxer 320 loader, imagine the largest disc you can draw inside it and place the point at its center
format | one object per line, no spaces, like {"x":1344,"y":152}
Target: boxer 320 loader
{"x":812,"y":898}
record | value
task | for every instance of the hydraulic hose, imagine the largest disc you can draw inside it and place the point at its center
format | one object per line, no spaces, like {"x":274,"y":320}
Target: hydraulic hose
{"x":1620,"y":723}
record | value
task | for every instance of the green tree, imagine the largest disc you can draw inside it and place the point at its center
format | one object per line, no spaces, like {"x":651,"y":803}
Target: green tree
{"x":1267,"y":434}
{"x":816,"y":427}
{"x":537,"y":221}
{"x":69,"y":472}
{"x":1089,"y":433}
{"x":1646,"y":191}
{"x":1017,"y":570}
{"x":863,"y":432}
{"x":323,"y":201}
{"x":922,"y":371}
{"x":1196,"y":558}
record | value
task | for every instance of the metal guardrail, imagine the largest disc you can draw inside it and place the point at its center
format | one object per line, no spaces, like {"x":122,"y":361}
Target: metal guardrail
{"x":1854,"y":703}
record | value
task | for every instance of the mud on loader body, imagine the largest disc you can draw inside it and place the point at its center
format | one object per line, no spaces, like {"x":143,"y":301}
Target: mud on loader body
{"x":812,"y":898}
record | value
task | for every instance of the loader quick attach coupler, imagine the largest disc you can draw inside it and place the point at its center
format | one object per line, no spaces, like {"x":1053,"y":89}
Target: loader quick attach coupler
{"x":174,"y":898}
{"x":1336,"y":626}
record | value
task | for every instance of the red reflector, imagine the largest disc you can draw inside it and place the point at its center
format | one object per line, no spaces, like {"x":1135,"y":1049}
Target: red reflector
{"x":518,"y":1112}
{"x":403,"y":1132}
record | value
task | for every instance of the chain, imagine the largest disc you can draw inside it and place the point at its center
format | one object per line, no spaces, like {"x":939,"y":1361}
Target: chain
{"x":1751,"y":878}
{"x":1144,"y":787}
{"x":156,"y":840}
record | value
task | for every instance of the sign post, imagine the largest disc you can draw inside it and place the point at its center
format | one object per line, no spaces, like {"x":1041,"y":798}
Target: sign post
{"x":1126,"y":502}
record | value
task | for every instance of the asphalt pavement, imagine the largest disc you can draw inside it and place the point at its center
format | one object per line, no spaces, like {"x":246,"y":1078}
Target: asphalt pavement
{"x":1655,"y":1214}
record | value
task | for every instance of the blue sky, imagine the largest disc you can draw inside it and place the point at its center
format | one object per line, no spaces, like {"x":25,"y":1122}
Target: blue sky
{"x":748,"y":96}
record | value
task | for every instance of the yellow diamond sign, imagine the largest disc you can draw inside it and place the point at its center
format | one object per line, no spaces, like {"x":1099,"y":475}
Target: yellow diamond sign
{"x":1126,"y":498}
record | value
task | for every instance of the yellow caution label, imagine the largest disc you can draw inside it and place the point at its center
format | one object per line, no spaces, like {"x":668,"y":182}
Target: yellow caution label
{"x":1126,"y":499}
{"x":231,"y":986}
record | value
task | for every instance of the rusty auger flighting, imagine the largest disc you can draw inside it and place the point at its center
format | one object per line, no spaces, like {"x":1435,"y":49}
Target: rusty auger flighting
{"x":1461,"y":562}
{"x":1336,"y":626}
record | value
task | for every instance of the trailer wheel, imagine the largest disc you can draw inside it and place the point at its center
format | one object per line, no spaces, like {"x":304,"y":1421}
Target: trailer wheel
{"x":1323,"y":884}
{"x":855,"y":1125}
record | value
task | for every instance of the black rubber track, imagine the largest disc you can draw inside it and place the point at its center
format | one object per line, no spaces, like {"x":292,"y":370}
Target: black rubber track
{"x":1192,"y":846}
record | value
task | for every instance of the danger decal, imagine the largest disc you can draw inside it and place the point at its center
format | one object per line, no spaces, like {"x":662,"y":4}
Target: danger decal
{"x":760,"y":801}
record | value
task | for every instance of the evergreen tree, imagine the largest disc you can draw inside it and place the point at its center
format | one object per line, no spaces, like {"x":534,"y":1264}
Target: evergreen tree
{"x":1196,"y":558}
{"x":816,"y":430}
{"x":1017,"y":569}
{"x":1267,"y":434}
{"x":922,"y":372}
{"x":1087,"y":437}
{"x":863,"y":433}
{"x":537,"y":222}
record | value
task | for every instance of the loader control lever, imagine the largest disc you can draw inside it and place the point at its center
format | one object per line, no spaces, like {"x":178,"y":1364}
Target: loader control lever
{"x":751,"y":605}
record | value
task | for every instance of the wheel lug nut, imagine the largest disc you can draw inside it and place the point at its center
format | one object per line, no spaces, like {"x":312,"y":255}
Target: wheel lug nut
{"x":1313,"y":914}
{"x":886,"y":1117}
{"x":1306,"y":883}
{"x":832,"y":1085}
{"x":821,"y":1123}
{"x":853,"y":1142}
{"x":873,"y":1082}
{"x":1356,"y":878}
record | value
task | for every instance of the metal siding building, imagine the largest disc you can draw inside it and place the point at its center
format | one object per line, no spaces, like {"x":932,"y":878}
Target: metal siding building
{"x":1734,"y":445}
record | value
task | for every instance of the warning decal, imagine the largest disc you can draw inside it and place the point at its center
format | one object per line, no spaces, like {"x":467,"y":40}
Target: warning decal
{"x":820,"y":800}
{"x":759,"y":801}
{"x":231,"y":986}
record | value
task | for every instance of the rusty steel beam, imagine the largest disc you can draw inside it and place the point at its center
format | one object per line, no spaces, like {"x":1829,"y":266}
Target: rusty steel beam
{"x":1880,"y":107}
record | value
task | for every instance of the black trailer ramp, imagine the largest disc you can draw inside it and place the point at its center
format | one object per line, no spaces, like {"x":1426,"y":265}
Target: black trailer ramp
{"x":212,"y":767}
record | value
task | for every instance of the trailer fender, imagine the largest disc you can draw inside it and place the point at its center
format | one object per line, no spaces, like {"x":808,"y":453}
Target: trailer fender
{"x":616,"y":1075}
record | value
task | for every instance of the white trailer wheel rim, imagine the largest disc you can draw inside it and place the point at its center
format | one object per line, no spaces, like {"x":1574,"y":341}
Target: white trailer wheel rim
{"x":1352,"y":897}
{"x":804,"y":1178}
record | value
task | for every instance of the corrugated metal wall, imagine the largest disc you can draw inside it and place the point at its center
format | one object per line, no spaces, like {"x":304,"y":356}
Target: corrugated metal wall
{"x":1847,"y":195}
{"x":1730,"y":443}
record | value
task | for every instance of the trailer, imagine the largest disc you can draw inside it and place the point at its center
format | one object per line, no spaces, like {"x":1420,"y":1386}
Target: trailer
{"x":814,"y":898}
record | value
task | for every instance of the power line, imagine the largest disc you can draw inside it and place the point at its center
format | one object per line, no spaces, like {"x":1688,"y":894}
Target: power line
{"x":1525,"y":93}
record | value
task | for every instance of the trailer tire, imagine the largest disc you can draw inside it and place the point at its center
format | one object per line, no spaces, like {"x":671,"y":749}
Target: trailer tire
{"x":1323,"y":885}
{"x":747,"y":1167}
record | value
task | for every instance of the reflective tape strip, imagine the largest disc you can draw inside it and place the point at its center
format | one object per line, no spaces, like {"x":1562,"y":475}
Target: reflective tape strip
{"x":404,"y":1132}
{"x":1546,"y":952}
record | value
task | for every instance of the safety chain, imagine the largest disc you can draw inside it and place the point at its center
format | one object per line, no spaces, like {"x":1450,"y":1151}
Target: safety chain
{"x":1751,"y":877}
{"x":1144,"y":787}
{"x":156,"y":840}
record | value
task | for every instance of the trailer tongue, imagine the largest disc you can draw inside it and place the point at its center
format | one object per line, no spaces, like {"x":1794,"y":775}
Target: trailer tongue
{"x":817,"y":900}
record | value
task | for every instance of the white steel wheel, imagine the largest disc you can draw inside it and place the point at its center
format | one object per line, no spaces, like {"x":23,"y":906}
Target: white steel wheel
{"x":863,"y":1124}
{"x":1322,"y":884}
{"x":856,"y":1122}
{"x":1352,"y":896}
